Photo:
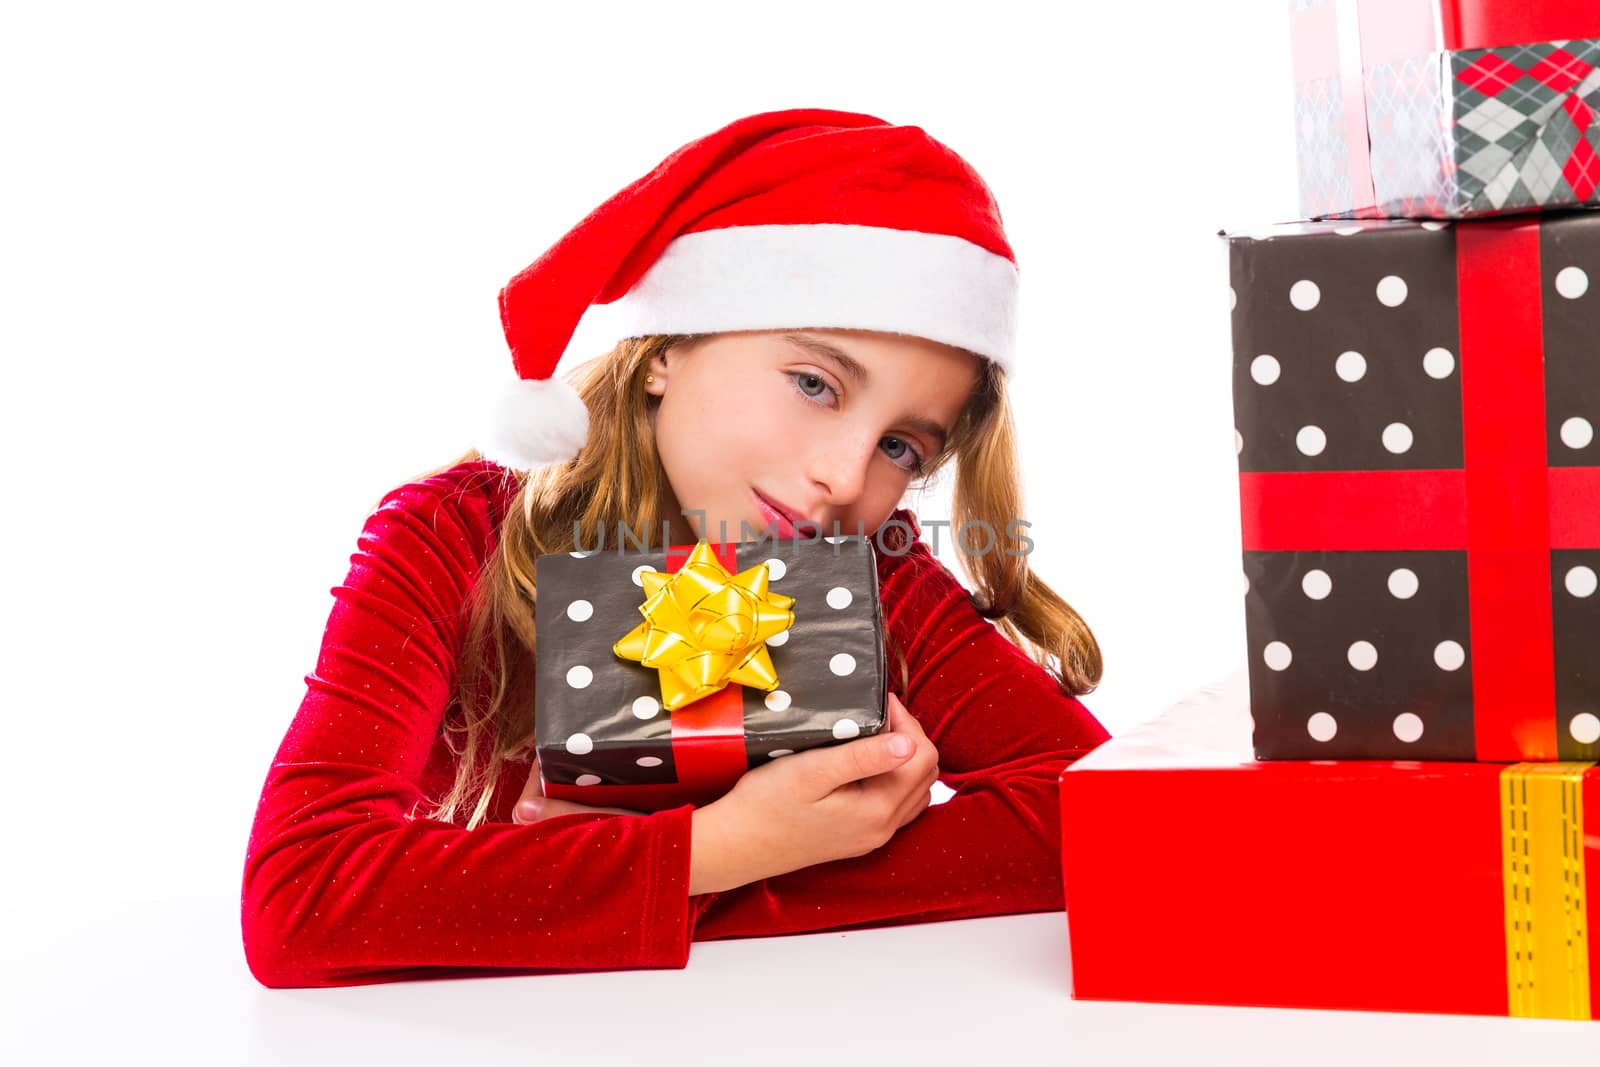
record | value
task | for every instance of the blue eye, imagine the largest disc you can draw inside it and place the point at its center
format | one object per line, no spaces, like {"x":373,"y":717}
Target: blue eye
{"x":795,"y":377}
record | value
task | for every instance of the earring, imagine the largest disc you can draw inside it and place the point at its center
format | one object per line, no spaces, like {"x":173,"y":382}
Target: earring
{"x":648,"y":378}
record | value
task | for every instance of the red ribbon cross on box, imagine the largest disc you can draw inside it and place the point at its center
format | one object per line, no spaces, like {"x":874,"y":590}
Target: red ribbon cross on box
{"x":1506,"y":506}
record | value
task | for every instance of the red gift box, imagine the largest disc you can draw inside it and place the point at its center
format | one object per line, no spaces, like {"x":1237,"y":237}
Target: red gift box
{"x":1194,"y":874}
{"x":1445,"y":108}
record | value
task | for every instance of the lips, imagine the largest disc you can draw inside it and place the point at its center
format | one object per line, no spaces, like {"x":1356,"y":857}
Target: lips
{"x":783,"y":517}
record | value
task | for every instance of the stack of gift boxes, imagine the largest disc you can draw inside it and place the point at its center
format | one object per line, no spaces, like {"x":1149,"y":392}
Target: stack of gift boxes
{"x":1396,"y":806}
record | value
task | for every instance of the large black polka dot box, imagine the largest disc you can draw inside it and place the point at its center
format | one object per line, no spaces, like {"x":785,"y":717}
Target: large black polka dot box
{"x":1415,"y":408}
{"x":781,"y":638}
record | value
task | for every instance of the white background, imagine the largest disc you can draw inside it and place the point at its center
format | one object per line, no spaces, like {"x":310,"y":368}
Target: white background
{"x":251,"y":255}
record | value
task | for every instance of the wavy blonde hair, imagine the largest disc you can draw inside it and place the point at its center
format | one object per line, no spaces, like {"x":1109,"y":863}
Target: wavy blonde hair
{"x":618,"y":477}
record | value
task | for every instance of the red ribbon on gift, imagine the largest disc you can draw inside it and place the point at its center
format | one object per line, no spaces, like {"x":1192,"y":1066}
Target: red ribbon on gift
{"x":708,"y":736}
{"x":1506,"y":506}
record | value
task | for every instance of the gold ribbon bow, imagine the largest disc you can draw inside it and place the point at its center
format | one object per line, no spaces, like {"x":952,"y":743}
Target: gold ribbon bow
{"x":704,"y":628}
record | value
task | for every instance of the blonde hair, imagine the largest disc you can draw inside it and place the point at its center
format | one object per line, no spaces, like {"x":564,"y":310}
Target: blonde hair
{"x":617,"y":477}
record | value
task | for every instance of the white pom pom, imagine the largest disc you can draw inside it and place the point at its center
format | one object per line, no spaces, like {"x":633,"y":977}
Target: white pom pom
{"x":536,"y":422}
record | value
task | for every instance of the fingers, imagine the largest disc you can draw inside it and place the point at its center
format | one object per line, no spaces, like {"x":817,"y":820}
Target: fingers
{"x":526,"y":809}
{"x":835,"y":766}
{"x":901,"y":720}
{"x":533,"y":805}
{"x":549,"y":808}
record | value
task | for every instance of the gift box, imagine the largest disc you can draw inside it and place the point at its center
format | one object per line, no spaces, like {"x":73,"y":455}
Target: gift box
{"x":662,"y":676}
{"x":1420,"y":507}
{"x":1445,"y":108}
{"x":1194,"y":874}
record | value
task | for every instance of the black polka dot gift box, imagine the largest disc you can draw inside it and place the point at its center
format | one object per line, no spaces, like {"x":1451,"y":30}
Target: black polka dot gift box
{"x":1415,"y":405}
{"x":663,"y":676}
{"x":1446,"y":108}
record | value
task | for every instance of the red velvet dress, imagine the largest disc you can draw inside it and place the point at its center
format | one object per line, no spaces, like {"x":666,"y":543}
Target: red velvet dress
{"x":343,"y":885}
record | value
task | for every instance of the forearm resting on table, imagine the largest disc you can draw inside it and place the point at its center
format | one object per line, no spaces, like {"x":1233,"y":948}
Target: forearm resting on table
{"x":716,"y":864}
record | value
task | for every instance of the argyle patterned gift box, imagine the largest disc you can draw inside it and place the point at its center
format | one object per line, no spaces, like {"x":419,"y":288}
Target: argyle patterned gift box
{"x":1419,"y":491}
{"x":1195,"y":874}
{"x":662,"y":676}
{"x":1445,"y":108}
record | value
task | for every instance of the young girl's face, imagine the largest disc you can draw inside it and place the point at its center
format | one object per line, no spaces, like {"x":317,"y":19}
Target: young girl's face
{"x":829,"y":425}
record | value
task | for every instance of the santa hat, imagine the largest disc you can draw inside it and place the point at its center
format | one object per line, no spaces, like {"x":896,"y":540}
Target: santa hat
{"x":787,"y":219}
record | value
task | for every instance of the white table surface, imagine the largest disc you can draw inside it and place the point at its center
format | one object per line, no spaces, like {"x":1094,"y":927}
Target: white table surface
{"x":165,"y":981}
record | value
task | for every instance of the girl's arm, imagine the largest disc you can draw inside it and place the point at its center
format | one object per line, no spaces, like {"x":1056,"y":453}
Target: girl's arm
{"x":343,"y":886}
{"x":1004,"y":729}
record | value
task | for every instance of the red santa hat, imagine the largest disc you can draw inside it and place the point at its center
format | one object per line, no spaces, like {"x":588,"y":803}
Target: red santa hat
{"x":787,"y":219}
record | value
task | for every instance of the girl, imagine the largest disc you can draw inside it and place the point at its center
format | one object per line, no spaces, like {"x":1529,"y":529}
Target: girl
{"x":818,"y":310}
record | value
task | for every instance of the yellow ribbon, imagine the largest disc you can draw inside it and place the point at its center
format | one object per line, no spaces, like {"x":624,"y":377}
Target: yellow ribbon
{"x":704,"y":628}
{"x":1546,"y":901}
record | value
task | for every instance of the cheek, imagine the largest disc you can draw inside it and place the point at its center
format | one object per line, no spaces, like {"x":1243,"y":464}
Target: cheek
{"x":742,"y":425}
{"x":759,"y":421}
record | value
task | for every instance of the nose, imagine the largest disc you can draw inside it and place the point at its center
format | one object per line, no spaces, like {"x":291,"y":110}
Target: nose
{"x":838,"y":469}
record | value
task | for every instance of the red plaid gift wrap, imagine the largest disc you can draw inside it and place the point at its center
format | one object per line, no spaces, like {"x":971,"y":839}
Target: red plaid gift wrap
{"x":1445,"y":108}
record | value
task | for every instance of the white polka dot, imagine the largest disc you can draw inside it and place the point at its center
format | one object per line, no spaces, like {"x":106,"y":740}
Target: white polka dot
{"x":1316,"y":584}
{"x":1304,"y":294}
{"x":1265,"y":370}
{"x":836,"y":540}
{"x":579,"y":555}
{"x":779,"y":639}
{"x":1581,"y":581}
{"x":1572,"y":282}
{"x":1238,"y":442}
{"x":1438,"y":362}
{"x":638,"y":571}
{"x":1585,"y":728}
{"x":1362,"y":656}
{"x":1233,"y":298}
{"x":775,"y":753}
{"x":1246,"y":578}
{"x":777,"y":700}
{"x":1347,"y":231}
{"x":588,"y":779}
{"x":1407,"y":727}
{"x":839,"y":597}
{"x":843,"y":664}
{"x":776,"y":569}
{"x":1403,"y":583}
{"x":579,"y":677}
{"x":1433,"y":225}
{"x":1391,"y":290}
{"x":1449,"y":655}
{"x":580,"y":610}
{"x":1397,"y":437}
{"x":1577,"y":432}
{"x":1321,"y":726}
{"x":1277,"y":655}
{"x":648,"y":761}
{"x":646,"y":707}
{"x":846,"y":728}
{"x":1311,"y":440}
{"x":1351,"y":366}
{"x":580,"y":744}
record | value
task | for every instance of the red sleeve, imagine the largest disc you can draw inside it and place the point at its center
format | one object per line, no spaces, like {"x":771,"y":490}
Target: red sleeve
{"x":343,"y":886}
{"x":1004,"y":730}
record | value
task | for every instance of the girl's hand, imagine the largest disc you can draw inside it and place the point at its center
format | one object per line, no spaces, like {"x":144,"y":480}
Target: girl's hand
{"x":828,"y":803}
{"x":533,"y":805}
